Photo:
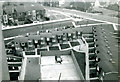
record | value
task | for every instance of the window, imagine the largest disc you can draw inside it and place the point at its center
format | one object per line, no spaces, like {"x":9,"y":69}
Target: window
{"x":97,"y":51}
{"x":16,"y":43}
{"x":42,"y":42}
{"x":53,"y":40}
{"x":96,"y":45}
{"x":64,"y":38}
{"x":23,"y":44}
{"x":36,"y":41}
{"x":97,"y":59}
{"x":106,"y":45}
{"x":38,"y":32}
{"x":29,"y":41}
{"x":69,"y":34}
{"x":95,"y":40}
{"x":29,"y":13}
{"x":98,"y":69}
{"x":53,"y":36}
{"x":78,"y":33}
{"x":5,"y":18}
{"x":17,"y":48}
{"x":28,"y":34}
{"x":48,"y":39}
{"x":42,"y":38}
{"x":102,"y":29}
{"x":59,"y":36}
{"x":74,"y":36}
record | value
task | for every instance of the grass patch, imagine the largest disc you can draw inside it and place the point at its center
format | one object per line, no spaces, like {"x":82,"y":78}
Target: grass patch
{"x":86,"y":22}
{"x":80,"y":57}
{"x":74,"y":43}
{"x":39,"y":50}
{"x":30,"y":53}
{"x":54,"y":48}
{"x":64,"y":46}
{"x":92,"y":64}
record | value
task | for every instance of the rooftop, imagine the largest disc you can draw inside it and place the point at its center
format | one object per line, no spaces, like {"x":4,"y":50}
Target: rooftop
{"x":52,"y":70}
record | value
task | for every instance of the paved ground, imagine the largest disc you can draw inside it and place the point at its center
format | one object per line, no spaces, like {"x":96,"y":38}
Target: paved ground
{"x":55,"y":16}
{"x":51,"y":70}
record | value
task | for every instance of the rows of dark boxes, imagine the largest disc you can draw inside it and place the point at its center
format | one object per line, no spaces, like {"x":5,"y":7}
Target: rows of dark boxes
{"x":30,"y":42}
{"x":14,"y":62}
{"x":106,"y":40}
{"x":95,"y":70}
{"x":14,"y":67}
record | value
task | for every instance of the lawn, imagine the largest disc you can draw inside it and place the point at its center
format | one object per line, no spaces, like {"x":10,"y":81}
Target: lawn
{"x":54,"y":48}
{"x":91,"y":45}
{"x":64,"y":46}
{"x":30,"y":53}
{"x":86,"y":22}
{"x":80,"y":57}
{"x":39,"y":50}
{"x":74,"y":43}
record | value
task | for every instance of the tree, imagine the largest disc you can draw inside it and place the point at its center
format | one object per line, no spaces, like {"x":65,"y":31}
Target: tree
{"x":113,"y":7}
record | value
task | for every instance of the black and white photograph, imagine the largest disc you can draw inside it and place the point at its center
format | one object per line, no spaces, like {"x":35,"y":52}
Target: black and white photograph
{"x":60,"y":40}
